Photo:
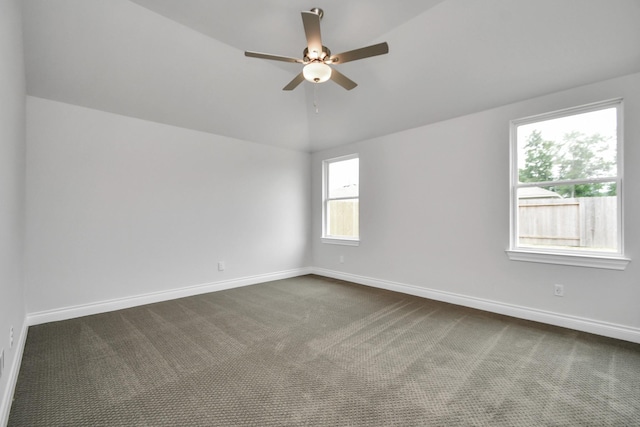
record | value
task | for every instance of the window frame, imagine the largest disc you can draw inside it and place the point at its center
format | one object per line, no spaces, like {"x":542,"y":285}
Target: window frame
{"x":595,"y":259}
{"x":326,"y":238}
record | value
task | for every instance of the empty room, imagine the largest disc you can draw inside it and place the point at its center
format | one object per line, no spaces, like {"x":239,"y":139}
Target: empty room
{"x":182,"y":241}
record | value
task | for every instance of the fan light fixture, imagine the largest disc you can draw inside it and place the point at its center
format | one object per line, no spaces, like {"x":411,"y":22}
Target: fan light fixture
{"x":316,"y":72}
{"x":316,"y":57}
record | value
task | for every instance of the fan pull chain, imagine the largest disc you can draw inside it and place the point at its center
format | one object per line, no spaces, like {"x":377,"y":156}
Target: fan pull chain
{"x":315,"y":97}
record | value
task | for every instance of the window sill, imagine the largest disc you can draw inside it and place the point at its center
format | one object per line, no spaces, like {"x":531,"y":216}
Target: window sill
{"x":336,"y":241}
{"x":613,"y":262}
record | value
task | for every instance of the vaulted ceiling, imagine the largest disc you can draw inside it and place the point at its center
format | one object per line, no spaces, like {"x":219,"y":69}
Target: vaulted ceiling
{"x":182,"y":62}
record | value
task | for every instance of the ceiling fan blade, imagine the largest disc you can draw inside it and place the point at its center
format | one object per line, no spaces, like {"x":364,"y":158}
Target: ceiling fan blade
{"x":294,"y":83}
{"x":273,"y":57}
{"x":342,"y":80}
{"x":311,"y":22}
{"x":363,"y":52}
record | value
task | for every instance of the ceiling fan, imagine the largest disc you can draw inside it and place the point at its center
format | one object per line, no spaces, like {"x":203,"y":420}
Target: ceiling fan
{"x":316,"y":57}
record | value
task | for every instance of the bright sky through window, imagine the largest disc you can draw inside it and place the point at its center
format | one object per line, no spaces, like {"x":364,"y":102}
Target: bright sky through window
{"x":602,"y":122}
{"x":344,"y":178}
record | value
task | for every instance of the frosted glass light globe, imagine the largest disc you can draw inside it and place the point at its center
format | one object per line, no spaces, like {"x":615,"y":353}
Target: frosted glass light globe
{"x":316,"y":72}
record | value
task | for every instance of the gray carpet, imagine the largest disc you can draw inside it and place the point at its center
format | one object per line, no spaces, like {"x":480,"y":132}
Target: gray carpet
{"x":320,"y":352}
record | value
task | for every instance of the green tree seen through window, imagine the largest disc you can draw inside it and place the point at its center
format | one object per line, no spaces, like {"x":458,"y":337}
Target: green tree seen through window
{"x":540,"y":155}
{"x":577,"y":156}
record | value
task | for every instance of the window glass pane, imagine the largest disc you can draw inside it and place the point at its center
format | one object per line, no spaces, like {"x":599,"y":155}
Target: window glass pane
{"x":344,"y":178}
{"x":580,"y":146}
{"x":577,"y":217}
{"x":342,"y":218}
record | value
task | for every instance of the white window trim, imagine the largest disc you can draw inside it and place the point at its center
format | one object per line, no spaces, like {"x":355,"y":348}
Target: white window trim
{"x":549,"y":257}
{"x":341,"y":241}
{"x":334,"y":240}
{"x":604,"y":260}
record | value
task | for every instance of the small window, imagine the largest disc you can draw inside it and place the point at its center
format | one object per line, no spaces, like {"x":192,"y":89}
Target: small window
{"x":566,"y":183}
{"x":341,"y":206}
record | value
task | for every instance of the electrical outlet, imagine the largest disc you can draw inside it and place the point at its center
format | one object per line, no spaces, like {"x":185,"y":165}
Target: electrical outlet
{"x":221,"y":266}
{"x":341,"y":259}
{"x":11,"y":337}
{"x":558,"y":290}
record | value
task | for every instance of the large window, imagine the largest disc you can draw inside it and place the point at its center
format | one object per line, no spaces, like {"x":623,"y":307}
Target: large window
{"x":566,"y":186}
{"x":341,"y":177}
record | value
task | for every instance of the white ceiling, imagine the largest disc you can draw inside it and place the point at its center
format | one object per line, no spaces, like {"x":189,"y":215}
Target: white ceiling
{"x":182,"y":62}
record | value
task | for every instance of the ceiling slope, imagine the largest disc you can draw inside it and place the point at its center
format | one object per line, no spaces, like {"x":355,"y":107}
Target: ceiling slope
{"x":119,"y":57}
{"x":182,"y":63}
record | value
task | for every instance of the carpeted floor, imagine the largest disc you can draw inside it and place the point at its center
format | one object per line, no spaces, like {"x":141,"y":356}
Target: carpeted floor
{"x":320,"y":352}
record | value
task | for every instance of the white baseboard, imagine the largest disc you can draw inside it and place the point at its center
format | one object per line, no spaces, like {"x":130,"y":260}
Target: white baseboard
{"x":133,"y":301}
{"x":572,"y":322}
{"x":13,"y":371}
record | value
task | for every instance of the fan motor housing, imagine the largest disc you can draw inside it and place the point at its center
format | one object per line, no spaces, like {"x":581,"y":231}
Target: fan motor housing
{"x":324,"y":55}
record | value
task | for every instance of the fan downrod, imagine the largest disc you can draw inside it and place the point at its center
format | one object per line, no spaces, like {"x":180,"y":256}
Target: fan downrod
{"x":318,"y":12}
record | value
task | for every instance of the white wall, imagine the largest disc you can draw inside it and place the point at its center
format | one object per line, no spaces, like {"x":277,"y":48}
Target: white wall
{"x":12,"y":170}
{"x":119,"y":207}
{"x":435,"y":216}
